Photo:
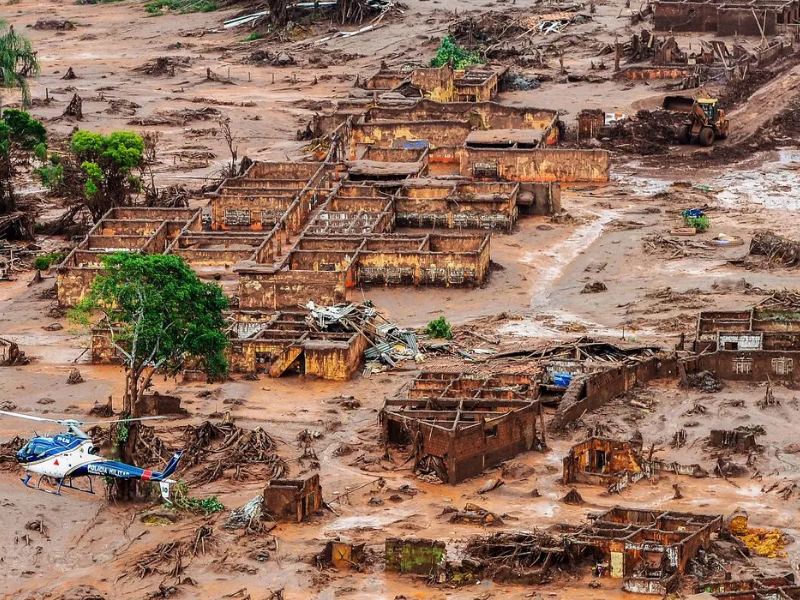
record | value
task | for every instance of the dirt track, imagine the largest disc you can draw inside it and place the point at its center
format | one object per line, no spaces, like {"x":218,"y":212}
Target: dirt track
{"x":93,"y":544}
{"x":768,"y":101}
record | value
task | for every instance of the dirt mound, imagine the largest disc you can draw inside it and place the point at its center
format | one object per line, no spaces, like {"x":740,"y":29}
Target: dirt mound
{"x":177,"y":117}
{"x":164,"y":66}
{"x":230,"y":448}
{"x":766,"y":243}
{"x":739,"y":90}
{"x":650,"y":132}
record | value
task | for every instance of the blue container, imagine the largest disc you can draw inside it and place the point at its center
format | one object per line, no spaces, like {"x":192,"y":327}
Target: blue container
{"x":562,"y":379}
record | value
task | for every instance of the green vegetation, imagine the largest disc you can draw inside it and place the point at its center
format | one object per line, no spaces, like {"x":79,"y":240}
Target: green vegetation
{"x":182,"y":501}
{"x":17,"y":62}
{"x":43,"y":262}
{"x":253,"y":37}
{"x":439,"y":328}
{"x":696,"y":219}
{"x":449,"y":51}
{"x":162,"y":314}
{"x":24,"y":130}
{"x":107,"y":163}
{"x":158,"y":7}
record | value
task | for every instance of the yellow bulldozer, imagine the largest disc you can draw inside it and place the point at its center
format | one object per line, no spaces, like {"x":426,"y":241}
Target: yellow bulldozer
{"x":707,"y":121}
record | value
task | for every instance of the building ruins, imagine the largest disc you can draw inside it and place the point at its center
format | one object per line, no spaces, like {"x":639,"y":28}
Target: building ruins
{"x":616,"y":464}
{"x":647,"y":549}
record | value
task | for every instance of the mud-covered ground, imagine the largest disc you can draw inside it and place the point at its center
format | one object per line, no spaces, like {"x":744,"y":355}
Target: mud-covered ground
{"x":613,"y":234}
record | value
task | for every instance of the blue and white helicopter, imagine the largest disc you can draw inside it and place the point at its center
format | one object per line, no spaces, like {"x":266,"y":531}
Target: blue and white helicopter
{"x":66,"y":456}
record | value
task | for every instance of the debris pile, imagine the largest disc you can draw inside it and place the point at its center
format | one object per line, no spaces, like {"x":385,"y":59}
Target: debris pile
{"x":476,"y":515}
{"x":177,"y":117}
{"x":705,"y":381}
{"x":230,"y":449}
{"x":767,"y":243}
{"x":388,"y":343}
{"x":765,"y":542}
{"x":247,"y":517}
{"x":8,"y":452}
{"x":74,"y":377}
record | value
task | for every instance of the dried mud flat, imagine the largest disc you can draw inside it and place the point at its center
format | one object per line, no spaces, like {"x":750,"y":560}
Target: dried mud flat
{"x":93,"y":548}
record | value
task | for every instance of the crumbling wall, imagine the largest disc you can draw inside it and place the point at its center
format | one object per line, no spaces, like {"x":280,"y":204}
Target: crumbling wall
{"x":746,"y":20}
{"x":103,"y":350}
{"x":651,"y":73}
{"x":435,"y":133}
{"x":567,"y":166}
{"x":287,"y":289}
{"x":334,"y":360}
{"x":684,"y":16}
{"x":539,"y":198}
{"x":477,"y":448}
{"x":754,"y":366}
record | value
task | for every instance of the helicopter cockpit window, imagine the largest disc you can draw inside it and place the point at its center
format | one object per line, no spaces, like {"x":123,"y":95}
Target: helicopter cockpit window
{"x":28,"y":450}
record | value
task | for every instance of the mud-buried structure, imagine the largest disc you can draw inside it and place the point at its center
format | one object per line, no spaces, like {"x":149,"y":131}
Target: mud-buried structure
{"x":457,"y":425}
{"x":648,"y":549}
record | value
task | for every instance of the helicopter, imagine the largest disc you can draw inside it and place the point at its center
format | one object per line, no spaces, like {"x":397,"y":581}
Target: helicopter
{"x":66,"y":456}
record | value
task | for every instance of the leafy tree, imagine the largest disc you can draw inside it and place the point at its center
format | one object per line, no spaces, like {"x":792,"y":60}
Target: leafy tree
{"x":17,"y":62}
{"x":439,"y":328}
{"x":108,"y":163}
{"x":20,"y":134}
{"x":161,"y":315}
{"x":449,"y":51}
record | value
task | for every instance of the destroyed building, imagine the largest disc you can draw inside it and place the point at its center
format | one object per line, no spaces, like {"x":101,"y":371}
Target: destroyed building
{"x":288,"y":232}
{"x":474,"y":84}
{"x":458,"y":425}
{"x":756,"y":588}
{"x":146,"y":230}
{"x":292,"y":499}
{"x":756,"y":344}
{"x":647,"y":549}
{"x":755,"y":18}
{"x":274,"y":343}
{"x":616,"y":464}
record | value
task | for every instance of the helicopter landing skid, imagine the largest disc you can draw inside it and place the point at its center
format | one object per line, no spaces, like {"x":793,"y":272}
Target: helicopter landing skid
{"x":66,"y":482}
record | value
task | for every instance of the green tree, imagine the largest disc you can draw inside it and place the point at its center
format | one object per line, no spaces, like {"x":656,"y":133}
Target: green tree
{"x":18,"y":61}
{"x":109,"y":164}
{"x":160,"y":314}
{"x":20,"y":134}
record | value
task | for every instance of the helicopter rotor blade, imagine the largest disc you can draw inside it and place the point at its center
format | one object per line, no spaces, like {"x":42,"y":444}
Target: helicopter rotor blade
{"x":121,"y":420}
{"x":29,"y":417}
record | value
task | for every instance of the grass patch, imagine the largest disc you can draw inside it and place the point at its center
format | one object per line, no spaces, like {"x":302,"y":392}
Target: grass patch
{"x":158,"y":7}
{"x":182,"y":501}
{"x":450,"y":51}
